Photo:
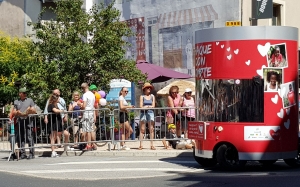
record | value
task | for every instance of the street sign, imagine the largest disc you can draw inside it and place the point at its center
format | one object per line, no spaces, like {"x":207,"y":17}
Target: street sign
{"x":233,"y":23}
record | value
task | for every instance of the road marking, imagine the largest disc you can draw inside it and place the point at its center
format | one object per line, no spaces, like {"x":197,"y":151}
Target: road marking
{"x":123,"y":162}
{"x":109,"y":170}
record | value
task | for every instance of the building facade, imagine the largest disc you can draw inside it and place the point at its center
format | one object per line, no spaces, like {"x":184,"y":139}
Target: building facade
{"x":165,"y":29}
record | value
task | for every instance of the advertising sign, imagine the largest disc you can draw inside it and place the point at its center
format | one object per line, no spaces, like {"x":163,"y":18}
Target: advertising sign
{"x":196,"y":130}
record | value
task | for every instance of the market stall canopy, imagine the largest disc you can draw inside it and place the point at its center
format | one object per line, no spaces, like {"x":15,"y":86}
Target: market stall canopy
{"x":182,"y":84}
{"x":159,"y":74}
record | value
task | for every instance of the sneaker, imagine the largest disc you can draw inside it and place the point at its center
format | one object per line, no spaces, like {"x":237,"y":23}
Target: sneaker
{"x":54,"y":154}
{"x":68,"y":148}
{"x":124,"y":147}
{"x":23,"y":157}
{"x":30,"y":157}
{"x":88,"y":148}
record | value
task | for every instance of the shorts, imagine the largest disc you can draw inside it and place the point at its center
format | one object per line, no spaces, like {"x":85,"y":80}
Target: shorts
{"x":56,"y":127}
{"x":185,"y":120}
{"x":75,"y":121}
{"x":181,"y":145}
{"x":147,"y":115}
{"x":88,"y":123}
{"x":123,"y":117}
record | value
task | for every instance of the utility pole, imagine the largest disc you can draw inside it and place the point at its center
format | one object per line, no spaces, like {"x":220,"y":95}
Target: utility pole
{"x":253,"y":18}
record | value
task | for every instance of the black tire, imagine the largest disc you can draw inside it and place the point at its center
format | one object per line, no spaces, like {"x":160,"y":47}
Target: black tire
{"x":205,"y":162}
{"x":228,"y":158}
{"x":267,"y":162}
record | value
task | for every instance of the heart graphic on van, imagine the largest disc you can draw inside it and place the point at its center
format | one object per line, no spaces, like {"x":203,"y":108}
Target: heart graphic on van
{"x":275,"y":134}
{"x":201,"y":129}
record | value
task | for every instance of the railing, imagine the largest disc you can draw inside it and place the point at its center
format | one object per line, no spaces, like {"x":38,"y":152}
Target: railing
{"x":147,"y":125}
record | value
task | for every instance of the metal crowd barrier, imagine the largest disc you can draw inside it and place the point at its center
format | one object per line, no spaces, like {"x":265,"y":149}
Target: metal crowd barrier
{"x":5,"y":135}
{"x":158,"y":127}
{"x":32,"y":132}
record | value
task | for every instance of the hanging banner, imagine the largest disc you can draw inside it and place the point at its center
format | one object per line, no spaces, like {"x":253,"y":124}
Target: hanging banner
{"x":137,"y":50}
{"x":262,"y":9}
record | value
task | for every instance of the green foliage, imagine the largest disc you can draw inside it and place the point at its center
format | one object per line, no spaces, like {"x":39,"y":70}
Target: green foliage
{"x":17,"y":62}
{"x":81,"y":46}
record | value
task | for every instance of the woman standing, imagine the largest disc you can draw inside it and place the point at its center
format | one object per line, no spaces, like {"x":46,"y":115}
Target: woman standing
{"x":125,"y":128}
{"x":75,"y":116}
{"x":56,"y":121}
{"x":147,"y":101}
{"x":174,"y":100}
{"x":189,"y":113}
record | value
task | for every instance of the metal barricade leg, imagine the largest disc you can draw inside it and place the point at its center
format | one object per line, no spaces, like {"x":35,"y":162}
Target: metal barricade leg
{"x":12,"y":142}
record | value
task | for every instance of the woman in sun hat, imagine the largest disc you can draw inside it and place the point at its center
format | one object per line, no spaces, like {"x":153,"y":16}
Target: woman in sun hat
{"x":147,"y":101}
{"x":189,"y":113}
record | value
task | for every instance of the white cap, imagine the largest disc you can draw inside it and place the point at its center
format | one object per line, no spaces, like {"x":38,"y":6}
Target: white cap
{"x":188,"y":90}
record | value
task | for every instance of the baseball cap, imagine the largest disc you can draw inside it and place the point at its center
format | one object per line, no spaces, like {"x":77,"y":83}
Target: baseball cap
{"x":22,"y":90}
{"x":93,"y":87}
{"x":188,"y":90}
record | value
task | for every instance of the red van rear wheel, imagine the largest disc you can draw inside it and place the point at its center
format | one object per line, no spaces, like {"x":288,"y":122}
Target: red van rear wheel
{"x":227,"y":157}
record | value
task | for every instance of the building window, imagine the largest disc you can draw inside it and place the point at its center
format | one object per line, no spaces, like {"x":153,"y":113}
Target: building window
{"x":152,"y":21}
{"x":49,"y":13}
{"x":276,"y":19}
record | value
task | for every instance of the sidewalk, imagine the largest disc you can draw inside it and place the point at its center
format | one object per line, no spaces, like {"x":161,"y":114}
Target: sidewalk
{"x":103,"y":150}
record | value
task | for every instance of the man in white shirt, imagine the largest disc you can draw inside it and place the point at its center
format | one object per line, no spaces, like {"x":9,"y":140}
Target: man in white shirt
{"x":89,"y":116}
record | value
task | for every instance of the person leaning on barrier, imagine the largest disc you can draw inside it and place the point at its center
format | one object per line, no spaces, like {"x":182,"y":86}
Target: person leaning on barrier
{"x":175,"y":144}
{"x":56,"y":121}
{"x":62,"y":106}
{"x":147,"y":101}
{"x":125,"y":127}
{"x":189,"y":113}
{"x":22,"y":108}
{"x":75,"y":116}
{"x":174,"y":115}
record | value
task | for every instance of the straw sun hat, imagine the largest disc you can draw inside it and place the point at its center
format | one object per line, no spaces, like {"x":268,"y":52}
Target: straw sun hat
{"x":147,"y":85}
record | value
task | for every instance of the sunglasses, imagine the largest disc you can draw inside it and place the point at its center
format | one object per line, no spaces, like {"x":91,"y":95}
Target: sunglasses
{"x":188,"y":92}
{"x":148,"y":88}
{"x":126,"y":91}
{"x":174,"y":92}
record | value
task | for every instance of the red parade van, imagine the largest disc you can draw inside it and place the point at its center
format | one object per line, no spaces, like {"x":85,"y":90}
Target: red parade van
{"x":246,"y":94}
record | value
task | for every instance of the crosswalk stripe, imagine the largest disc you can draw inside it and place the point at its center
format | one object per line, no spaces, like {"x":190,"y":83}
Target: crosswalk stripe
{"x":122,"y":162}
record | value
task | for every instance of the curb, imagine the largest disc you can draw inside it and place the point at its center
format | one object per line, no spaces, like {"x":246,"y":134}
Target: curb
{"x":121,"y":153}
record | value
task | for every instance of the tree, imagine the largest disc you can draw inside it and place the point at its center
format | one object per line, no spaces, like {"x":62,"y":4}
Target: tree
{"x":80,"y":46}
{"x":16,"y":61}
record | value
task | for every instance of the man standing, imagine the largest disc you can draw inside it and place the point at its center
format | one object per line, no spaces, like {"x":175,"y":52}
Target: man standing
{"x":61,"y":106}
{"x":22,"y":108}
{"x":89,"y":116}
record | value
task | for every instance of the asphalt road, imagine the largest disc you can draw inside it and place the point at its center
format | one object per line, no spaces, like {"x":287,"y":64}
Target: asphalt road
{"x":91,"y":171}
